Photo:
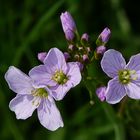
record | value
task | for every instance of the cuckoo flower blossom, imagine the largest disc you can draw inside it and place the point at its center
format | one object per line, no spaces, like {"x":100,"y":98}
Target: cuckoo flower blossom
{"x":58,"y":75}
{"x":68,"y":25}
{"x":30,"y":97}
{"x":126,"y":78}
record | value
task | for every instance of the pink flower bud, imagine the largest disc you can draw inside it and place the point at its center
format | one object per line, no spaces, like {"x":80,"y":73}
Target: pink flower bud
{"x":105,"y":35}
{"x":101,"y":93}
{"x":85,"y":57}
{"x":100,"y":50}
{"x":68,"y":25}
{"x":71,"y":47}
{"x":66,"y":55}
{"x":41,"y":56}
{"x":85,"y":37}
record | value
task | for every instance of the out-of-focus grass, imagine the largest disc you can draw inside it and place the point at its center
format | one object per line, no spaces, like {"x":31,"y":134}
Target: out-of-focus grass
{"x":28,"y":27}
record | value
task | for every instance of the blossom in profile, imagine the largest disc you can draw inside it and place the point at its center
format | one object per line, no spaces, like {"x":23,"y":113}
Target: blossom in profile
{"x":30,"y":97}
{"x":58,"y":75}
{"x":126,"y":78}
{"x":68,"y":25}
{"x":100,"y":92}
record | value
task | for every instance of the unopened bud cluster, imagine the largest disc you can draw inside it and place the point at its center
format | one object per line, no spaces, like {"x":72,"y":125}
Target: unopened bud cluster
{"x":101,"y":42}
{"x":79,"y":47}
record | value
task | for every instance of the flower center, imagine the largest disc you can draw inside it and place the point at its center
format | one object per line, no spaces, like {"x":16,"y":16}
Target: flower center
{"x":40,"y":92}
{"x":60,"y":77}
{"x":125,"y":76}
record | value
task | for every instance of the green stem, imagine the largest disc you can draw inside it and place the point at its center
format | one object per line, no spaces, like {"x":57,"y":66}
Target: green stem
{"x":122,"y":106}
{"x":109,"y":112}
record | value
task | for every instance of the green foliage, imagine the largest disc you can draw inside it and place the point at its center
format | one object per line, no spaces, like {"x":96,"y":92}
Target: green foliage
{"x":31,"y":26}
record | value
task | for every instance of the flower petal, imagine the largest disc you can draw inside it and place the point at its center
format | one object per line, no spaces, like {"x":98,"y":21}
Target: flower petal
{"x":133,"y":90}
{"x":18,"y":81}
{"x":59,"y":91}
{"x":23,"y":106}
{"x":55,"y":60}
{"x":112,"y":62}
{"x":48,"y":114}
{"x":115,"y":91}
{"x":74,"y":74}
{"x":134,"y":63}
{"x":41,"y":76}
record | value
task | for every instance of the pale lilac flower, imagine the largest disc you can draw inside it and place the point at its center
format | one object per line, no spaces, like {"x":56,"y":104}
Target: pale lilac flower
{"x":105,"y":35}
{"x":30,"y":97}
{"x":58,"y":75}
{"x":68,"y":25}
{"x":101,"y":93}
{"x":126,"y":78}
{"x":41,"y":56}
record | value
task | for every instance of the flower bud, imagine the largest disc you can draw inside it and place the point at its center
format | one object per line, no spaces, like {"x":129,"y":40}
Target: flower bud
{"x":77,"y":57}
{"x":80,"y":48}
{"x":66,"y":55}
{"x":100,"y":92}
{"x":85,"y":57}
{"x":41,"y":56}
{"x":103,"y":37}
{"x":68,"y":25}
{"x":100,"y":50}
{"x":85,"y":38}
{"x":88,"y":49}
{"x":71,"y":47}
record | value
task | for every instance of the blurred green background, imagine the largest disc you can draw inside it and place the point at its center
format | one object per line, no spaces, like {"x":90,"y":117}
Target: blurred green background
{"x":31,"y":26}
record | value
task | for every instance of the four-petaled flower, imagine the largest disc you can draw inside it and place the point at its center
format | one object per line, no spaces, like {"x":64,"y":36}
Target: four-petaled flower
{"x":58,"y":75}
{"x":30,"y":97}
{"x":126,"y":78}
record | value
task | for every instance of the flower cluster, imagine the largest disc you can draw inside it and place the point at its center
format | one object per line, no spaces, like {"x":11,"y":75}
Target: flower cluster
{"x":46,"y":82}
{"x":59,"y":72}
{"x":79,"y":48}
{"x":101,"y":42}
